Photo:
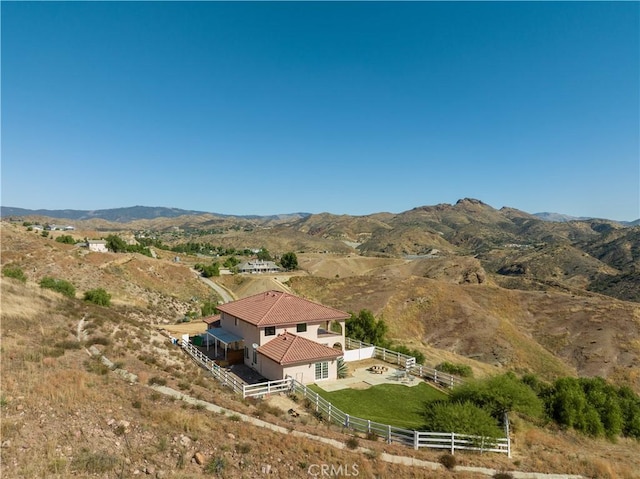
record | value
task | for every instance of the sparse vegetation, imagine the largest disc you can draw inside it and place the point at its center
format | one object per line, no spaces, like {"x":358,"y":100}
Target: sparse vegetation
{"x":14,"y":272}
{"x":449,"y":461}
{"x":98,"y":296}
{"x":461,"y":370}
{"x":60,"y":285}
{"x":66,"y":239}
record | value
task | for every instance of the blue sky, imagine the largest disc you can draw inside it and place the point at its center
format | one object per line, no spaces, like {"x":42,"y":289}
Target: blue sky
{"x":340,"y":107}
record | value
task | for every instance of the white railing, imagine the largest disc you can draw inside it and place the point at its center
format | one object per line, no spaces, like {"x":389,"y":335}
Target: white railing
{"x":416,"y":439}
{"x":264,"y":389}
{"x":221,"y":374}
{"x":395,"y":357}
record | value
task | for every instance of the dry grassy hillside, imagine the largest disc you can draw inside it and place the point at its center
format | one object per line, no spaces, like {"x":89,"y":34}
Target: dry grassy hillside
{"x":549,"y":333}
{"x":162,"y":288}
{"x":65,"y":414}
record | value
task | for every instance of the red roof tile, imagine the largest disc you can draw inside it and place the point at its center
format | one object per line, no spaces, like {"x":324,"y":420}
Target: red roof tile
{"x":211,"y":319}
{"x":276,"y":308}
{"x":289,"y":348}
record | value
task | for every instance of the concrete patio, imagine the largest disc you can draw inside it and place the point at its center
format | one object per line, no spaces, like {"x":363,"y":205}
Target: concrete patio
{"x":361,"y":377}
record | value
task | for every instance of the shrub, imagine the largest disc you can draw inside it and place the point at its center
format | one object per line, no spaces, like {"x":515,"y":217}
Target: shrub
{"x":448,"y":460}
{"x":93,"y":462}
{"x":14,"y":272}
{"x":243,"y":448}
{"x":66,"y":239}
{"x":502,"y":475}
{"x":352,"y":442}
{"x":98,"y":296}
{"x":343,"y":369}
{"x":460,"y":417}
{"x":215,"y":465}
{"x":461,"y":370}
{"x":157,"y":381}
{"x":59,"y":285}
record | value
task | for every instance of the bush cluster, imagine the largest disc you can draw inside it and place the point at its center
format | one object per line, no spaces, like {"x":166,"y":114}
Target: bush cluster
{"x":14,"y":272}
{"x":461,"y":370}
{"x":98,"y":296}
{"x":59,"y":285}
{"x":589,"y":405}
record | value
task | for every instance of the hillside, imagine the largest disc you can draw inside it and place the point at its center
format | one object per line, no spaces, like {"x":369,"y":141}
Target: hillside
{"x":53,"y":390}
{"x":515,"y":249}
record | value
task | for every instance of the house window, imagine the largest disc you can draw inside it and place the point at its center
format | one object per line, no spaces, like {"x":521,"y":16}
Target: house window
{"x":235,"y":321}
{"x":246,"y":352}
{"x":270,"y":331}
{"x":322,"y":370}
{"x":255,"y":356}
{"x":301,"y":328}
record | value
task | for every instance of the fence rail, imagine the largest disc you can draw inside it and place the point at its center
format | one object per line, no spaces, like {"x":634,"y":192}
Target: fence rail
{"x":416,"y":439}
{"x":221,"y":374}
{"x":394,"y":357}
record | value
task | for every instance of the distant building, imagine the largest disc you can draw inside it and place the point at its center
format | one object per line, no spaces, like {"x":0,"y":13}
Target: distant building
{"x":258,"y":266}
{"x":99,"y":246}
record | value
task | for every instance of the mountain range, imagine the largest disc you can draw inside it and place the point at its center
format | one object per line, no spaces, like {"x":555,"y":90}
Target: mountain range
{"x":133,"y":213}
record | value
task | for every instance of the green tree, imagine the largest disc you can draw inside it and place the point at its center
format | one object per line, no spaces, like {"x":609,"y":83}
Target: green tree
{"x":59,"y":285}
{"x":630,"y":406}
{"x":66,"y":239}
{"x":208,"y":270}
{"x":499,"y":395}
{"x":461,"y":418}
{"x":14,"y":272}
{"x":289,"y":261}
{"x":264,"y":255}
{"x":366,"y":328}
{"x":208,"y":309}
{"x":116,"y":244}
{"x":98,"y":296}
{"x":231,"y":262}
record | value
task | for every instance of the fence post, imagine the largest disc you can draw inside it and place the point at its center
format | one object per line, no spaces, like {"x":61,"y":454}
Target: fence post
{"x":506,"y":430}
{"x":369,"y":426}
{"x":346,"y":420}
{"x":453,"y":443}
{"x":329,"y":412}
{"x":415,"y":440}
{"x":389,"y":434}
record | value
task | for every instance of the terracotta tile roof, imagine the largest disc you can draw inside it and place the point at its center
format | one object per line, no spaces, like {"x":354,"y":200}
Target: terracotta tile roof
{"x":289,"y":348}
{"x":277,"y":308}
{"x":210,"y":320}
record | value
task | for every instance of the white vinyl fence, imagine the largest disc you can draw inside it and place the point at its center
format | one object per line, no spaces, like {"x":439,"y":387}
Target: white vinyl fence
{"x":435,"y":440}
{"x":325,"y":410}
{"x":405,"y":361}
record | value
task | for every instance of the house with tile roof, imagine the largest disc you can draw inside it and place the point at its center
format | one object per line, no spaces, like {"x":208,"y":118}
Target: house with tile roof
{"x":282,"y":335}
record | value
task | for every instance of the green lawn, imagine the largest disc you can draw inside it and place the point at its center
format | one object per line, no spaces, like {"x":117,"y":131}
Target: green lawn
{"x":393,"y":404}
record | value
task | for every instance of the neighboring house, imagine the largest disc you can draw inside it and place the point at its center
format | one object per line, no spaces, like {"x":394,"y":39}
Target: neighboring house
{"x":99,"y":246}
{"x":258,"y":266}
{"x":279,"y":335}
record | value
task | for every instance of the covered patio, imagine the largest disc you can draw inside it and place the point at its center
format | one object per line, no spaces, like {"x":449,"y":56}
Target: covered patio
{"x":223,"y":341}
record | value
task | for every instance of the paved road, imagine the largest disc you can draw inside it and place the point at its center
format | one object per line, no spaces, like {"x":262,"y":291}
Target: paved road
{"x":225,"y":294}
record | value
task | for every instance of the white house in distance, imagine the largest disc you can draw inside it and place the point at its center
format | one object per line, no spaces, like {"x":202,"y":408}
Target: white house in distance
{"x":99,"y":246}
{"x":258,"y":266}
{"x":279,"y":335}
